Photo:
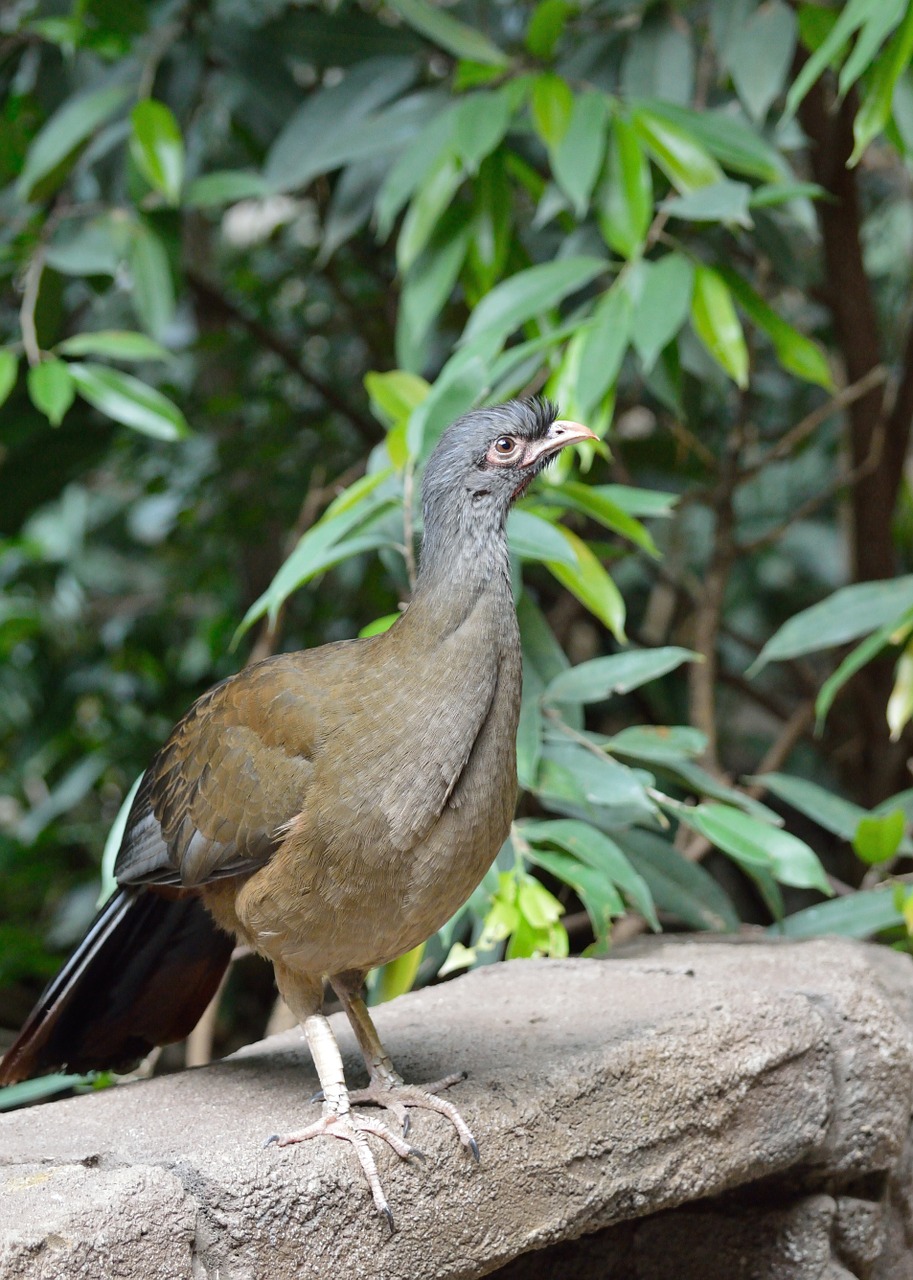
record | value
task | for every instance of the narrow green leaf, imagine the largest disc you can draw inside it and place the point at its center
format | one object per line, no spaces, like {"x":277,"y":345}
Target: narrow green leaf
{"x":546,"y":25}
{"x":577,"y":157}
{"x":66,"y":131}
{"x":877,"y":101}
{"x":125,"y":399}
{"x":877,"y":839}
{"x":760,"y":55}
{"x":529,"y":729}
{"x":449,"y":33}
{"x":29,"y":1091}
{"x":661,"y":293}
{"x":425,"y":211}
{"x":858,"y":915}
{"x":551,"y":107}
{"x":730,"y":141}
{"x":845,"y":615}
{"x":153,"y":290}
{"x":425,"y":292}
{"x":849,"y":19}
{"x":592,"y":501}
{"x":832,"y":812}
{"x":397,"y":977}
{"x":726,"y":202}
{"x":900,"y":703}
{"x":677,"y":151}
{"x":226,"y":186}
{"x":592,"y":586}
{"x":595,"y":890}
{"x":9,"y":369}
{"x":395,"y":394}
{"x":658,"y":743}
{"x":412,"y":167}
{"x":51,"y":390}
{"x":599,"y":349}
{"x":795,"y":352}
{"x":626,"y":196}
{"x":118,"y":344}
{"x":599,"y":678}
{"x":598,"y":851}
{"x":479,"y":123}
{"x":460,"y":385}
{"x":756,"y":845}
{"x":532,"y":538}
{"x":717,"y":325}
{"x":527,"y":294}
{"x":680,"y":888}
{"x":855,"y":661}
{"x":157,"y":148}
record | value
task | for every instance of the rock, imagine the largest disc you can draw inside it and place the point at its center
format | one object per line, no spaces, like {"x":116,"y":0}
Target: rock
{"x":770,"y":1082}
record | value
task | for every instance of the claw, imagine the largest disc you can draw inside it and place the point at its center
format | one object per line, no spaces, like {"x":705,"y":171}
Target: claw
{"x":319,"y":1096}
{"x":274,"y":1137}
{"x":389,"y":1216}
{"x":474,"y":1148}
{"x":407,"y":1125}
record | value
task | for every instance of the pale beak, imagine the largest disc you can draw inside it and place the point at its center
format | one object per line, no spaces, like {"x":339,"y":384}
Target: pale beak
{"x":559,"y":434}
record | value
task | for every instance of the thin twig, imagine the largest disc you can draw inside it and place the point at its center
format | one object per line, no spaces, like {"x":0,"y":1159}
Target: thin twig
{"x":810,"y":423}
{"x":365,"y":425}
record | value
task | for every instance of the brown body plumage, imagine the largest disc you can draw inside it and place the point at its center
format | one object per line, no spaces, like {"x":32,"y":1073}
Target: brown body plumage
{"x":332,"y":808}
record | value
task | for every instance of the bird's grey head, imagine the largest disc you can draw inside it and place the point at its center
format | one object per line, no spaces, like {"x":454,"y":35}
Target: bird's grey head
{"x":482,"y":464}
{"x":488,"y":458}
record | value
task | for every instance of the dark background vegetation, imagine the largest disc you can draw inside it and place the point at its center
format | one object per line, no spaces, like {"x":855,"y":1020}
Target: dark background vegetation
{"x":255,"y":254}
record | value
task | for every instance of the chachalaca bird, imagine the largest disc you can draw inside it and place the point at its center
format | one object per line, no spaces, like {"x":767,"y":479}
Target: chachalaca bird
{"x":330,"y":808}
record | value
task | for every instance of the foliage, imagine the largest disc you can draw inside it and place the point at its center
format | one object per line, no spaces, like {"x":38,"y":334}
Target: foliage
{"x":255,"y":257}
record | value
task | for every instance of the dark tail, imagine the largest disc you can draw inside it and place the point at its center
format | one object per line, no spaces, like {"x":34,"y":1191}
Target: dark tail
{"x":141,"y":977}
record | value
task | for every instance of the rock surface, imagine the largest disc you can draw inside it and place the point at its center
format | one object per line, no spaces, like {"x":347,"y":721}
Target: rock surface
{"x":690,"y":1107}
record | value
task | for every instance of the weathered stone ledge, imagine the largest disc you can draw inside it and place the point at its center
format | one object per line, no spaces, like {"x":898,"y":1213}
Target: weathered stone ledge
{"x":692,"y":1108}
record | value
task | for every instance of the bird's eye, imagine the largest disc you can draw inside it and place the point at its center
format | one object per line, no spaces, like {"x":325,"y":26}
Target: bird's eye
{"x":505,"y":445}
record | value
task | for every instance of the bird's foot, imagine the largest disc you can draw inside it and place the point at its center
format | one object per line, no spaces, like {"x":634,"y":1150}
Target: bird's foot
{"x":353,"y":1129}
{"x":396,"y":1096}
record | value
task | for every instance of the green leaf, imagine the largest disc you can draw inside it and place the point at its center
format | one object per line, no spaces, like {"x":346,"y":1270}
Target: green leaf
{"x":900,"y":703}
{"x":529,"y":729}
{"x":754,"y":845}
{"x":412,"y":167}
{"x":858,"y":915}
{"x":846,"y":615}
{"x":546,"y":25}
{"x":66,"y":131}
{"x":458,"y":387}
{"x":157,"y":148}
{"x":760,"y":55}
{"x":680,"y":888}
{"x":397,"y":977}
{"x":829,"y":811}
{"x":598,"y":851}
{"x":731,"y":141}
{"x":626,"y":196}
{"x":592,"y":586}
{"x":29,"y":1091}
{"x":125,"y":399}
{"x":856,"y":660}
{"x":425,"y":292}
{"x":855,"y":14}
{"x":650,"y":503}
{"x":595,"y":890}
{"x":717,"y":325}
{"x":592,"y":784}
{"x":342,"y":123}
{"x":532,"y":538}
{"x":592,"y":501}
{"x":661,"y":292}
{"x":677,"y":151}
{"x":153,"y":290}
{"x":51,"y":389}
{"x":577,"y":157}
{"x":449,"y":33}
{"x":726,"y":202}
{"x":479,"y":123}
{"x":379,"y":625}
{"x":9,"y":369}
{"x":226,"y":186}
{"x":657,"y":744}
{"x":527,"y":294}
{"x":599,"y":678}
{"x":395,"y":394}
{"x":551,"y":107}
{"x":877,"y":839}
{"x":118,"y":344}
{"x":795,"y":352}
{"x":597,"y":349}
{"x":875,"y":109}
{"x":425,"y":211}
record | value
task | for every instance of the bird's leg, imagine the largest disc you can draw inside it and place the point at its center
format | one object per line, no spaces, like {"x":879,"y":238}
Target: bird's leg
{"x":337,"y":1119}
{"x":387,"y":1088}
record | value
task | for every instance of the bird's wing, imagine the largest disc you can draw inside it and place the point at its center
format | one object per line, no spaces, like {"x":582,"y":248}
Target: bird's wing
{"x":236,"y":768}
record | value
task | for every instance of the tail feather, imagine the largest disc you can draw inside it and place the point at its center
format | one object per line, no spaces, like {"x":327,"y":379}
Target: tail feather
{"x":142,"y":976}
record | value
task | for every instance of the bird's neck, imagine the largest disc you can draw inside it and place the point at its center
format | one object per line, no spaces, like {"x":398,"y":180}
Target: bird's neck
{"x":462,"y":564}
